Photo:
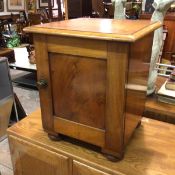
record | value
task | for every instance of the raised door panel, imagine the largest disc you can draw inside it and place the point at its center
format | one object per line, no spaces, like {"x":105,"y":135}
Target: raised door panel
{"x":30,"y":159}
{"x":79,"y":89}
{"x":82,"y":169}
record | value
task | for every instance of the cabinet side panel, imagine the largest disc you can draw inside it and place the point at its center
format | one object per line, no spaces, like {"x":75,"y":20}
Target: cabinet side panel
{"x":140,"y":54}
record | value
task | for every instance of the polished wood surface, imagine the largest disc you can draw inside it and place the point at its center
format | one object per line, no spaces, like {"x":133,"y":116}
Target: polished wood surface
{"x":153,"y":105}
{"x":77,"y":46}
{"x":104,"y":29}
{"x":78,"y":88}
{"x":138,"y":72}
{"x":82,"y":169}
{"x":116,"y":97}
{"x":94,"y":90}
{"x":150,"y":152}
{"x":42,"y":60}
{"x":82,"y":132}
{"x":36,"y":160}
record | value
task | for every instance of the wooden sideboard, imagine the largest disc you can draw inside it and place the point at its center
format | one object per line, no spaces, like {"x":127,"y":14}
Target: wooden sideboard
{"x":150,"y":152}
{"x":92,"y":77}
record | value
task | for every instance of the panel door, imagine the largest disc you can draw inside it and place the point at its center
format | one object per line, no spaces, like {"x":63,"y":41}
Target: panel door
{"x":30,"y":159}
{"x":78,"y":89}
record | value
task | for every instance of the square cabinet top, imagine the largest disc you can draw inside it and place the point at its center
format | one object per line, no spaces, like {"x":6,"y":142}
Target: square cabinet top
{"x":96,"y":28}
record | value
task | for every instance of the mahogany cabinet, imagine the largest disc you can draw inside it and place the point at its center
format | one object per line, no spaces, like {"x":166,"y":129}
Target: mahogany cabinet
{"x":92,"y":78}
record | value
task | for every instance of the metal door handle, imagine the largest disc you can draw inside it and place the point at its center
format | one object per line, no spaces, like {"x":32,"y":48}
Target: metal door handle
{"x":42,"y":84}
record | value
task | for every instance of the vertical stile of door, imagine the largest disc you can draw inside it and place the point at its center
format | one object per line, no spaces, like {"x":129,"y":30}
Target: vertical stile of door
{"x":43,"y":73}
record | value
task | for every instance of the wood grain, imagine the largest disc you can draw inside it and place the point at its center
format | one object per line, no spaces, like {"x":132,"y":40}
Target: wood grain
{"x":138,"y":71}
{"x":93,"y":78}
{"x":157,"y":107}
{"x":77,"y":46}
{"x":82,"y":132}
{"x":78,"y":89}
{"x":43,"y":74}
{"x":103,"y":29}
{"x":82,"y":169}
{"x":117,"y":67}
{"x":32,"y":159}
{"x":146,"y":153}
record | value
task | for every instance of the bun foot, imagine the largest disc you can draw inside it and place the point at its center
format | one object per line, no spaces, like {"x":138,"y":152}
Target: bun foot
{"x":111,"y":158}
{"x":138,"y":125}
{"x":54,"y":137}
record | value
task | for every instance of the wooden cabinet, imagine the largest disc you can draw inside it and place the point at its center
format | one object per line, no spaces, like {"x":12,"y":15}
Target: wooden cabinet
{"x":93,"y":76}
{"x":33,"y":153}
{"x":36,"y":160}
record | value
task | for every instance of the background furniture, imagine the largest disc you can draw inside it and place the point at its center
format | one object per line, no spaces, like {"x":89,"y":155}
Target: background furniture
{"x":169,"y":46}
{"x":22,"y":63}
{"x":79,"y":8}
{"x":6,"y":96}
{"x":94,"y":87}
{"x":8,"y":53}
{"x":150,"y":152}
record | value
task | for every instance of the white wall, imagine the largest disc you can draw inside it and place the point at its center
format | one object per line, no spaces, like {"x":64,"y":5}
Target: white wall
{"x":8,"y":13}
{"x":5,"y":10}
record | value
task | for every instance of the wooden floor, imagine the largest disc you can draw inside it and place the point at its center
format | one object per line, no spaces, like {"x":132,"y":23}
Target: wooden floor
{"x":5,"y":160}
